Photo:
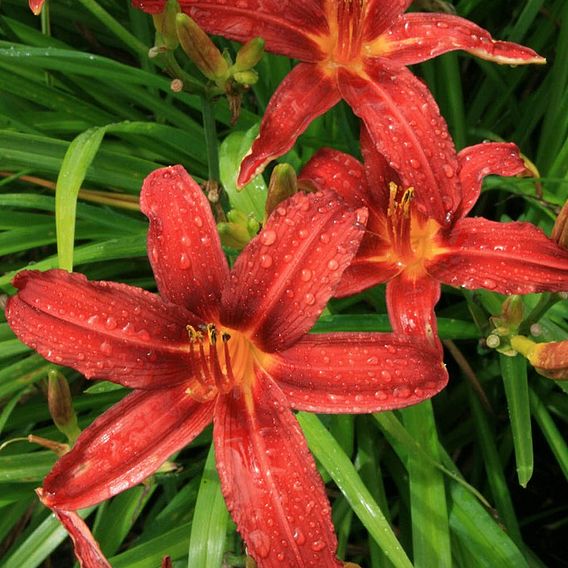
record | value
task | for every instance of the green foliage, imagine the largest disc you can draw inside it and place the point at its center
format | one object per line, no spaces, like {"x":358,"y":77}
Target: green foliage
{"x":435,"y":485}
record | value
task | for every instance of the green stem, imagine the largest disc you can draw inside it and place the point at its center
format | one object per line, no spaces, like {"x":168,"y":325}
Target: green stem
{"x":114,"y":27}
{"x":46,"y":31}
{"x":544,"y":304}
{"x":210,"y":129}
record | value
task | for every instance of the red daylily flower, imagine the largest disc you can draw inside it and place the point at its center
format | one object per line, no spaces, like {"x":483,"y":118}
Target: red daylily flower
{"x":228,"y":346}
{"x":408,"y":247}
{"x":354,"y":50}
{"x":36,"y":6}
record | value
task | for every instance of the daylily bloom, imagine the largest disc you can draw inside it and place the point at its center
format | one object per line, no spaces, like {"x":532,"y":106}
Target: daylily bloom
{"x":36,"y":6}
{"x":354,"y":50}
{"x":228,"y":346}
{"x":411,"y":248}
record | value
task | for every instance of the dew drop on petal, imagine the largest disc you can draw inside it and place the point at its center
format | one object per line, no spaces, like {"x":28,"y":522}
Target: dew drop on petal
{"x":299,"y":536}
{"x":267,"y":237}
{"x":310,"y":299}
{"x":260,"y":541}
{"x":266,"y":261}
{"x":198,"y":221}
{"x":318,"y":545}
{"x":448,"y":170}
{"x":184,"y":262}
{"x":106,"y":347}
{"x":111,"y":323}
{"x":333,"y":264}
{"x":306,"y":275}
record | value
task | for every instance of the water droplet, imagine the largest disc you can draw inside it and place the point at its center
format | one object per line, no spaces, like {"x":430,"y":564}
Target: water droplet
{"x":266,"y":261}
{"x":324,"y":238}
{"x":414,"y":163}
{"x":106,"y":347}
{"x":198,"y":221}
{"x":93,"y":319}
{"x":318,"y":545}
{"x":372,"y":360}
{"x":310,"y":299}
{"x":184,"y":262}
{"x":448,"y":170}
{"x":267,"y":237}
{"x":299,"y":536}
{"x":111,"y":323}
{"x":303,"y":233}
{"x":306,"y":275}
{"x":333,"y":264}
{"x":260,"y":541}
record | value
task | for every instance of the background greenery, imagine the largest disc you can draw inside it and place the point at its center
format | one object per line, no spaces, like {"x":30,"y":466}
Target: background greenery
{"x":477,"y":478}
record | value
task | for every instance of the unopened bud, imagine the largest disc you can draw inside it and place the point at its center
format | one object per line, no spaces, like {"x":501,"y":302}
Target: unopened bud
{"x":36,"y":6}
{"x":200,"y":49}
{"x":249,"y":54}
{"x":249,"y":77}
{"x":165,"y":23}
{"x":560,"y":229}
{"x":239,"y":229}
{"x":283,"y":184}
{"x":60,"y":405}
{"x":512,"y":311}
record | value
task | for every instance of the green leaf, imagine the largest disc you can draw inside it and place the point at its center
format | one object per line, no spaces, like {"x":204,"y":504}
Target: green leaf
{"x":514,"y":371}
{"x":209,"y":527}
{"x":77,"y":159}
{"x":333,"y":458}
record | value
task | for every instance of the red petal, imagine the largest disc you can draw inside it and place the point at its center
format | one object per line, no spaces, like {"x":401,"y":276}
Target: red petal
{"x":380,"y":15}
{"x":340,"y":172}
{"x":281,"y":282}
{"x":410,"y":303}
{"x":306,"y":92}
{"x":405,"y":125}
{"x":481,"y":160}
{"x":102,"y":329}
{"x":150,"y":6}
{"x":183,"y":243}
{"x":419,"y":37}
{"x":36,"y":6}
{"x":87,"y":550}
{"x":358,"y":372}
{"x":124,"y":446}
{"x":291,"y":29}
{"x":364,"y":273}
{"x":346,"y":176}
{"x":270,"y":481}
{"x":511,"y":258}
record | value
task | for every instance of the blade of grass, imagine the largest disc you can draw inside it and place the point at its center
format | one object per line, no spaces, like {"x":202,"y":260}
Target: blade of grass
{"x":514,"y":372}
{"x":331,"y":456}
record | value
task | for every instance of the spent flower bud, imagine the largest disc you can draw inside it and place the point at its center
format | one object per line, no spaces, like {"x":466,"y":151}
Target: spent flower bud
{"x":549,"y":359}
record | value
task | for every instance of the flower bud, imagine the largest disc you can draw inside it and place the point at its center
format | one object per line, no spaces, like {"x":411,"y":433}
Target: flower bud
{"x":549,"y":359}
{"x":560,"y":229}
{"x":283,"y":184}
{"x":239,"y":229}
{"x":200,"y":49}
{"x":36,"y":6}
{"x":165,"y":23}
{"x":249,"y":54}
{"x":60,"y":405}
{"x":249,"y":77}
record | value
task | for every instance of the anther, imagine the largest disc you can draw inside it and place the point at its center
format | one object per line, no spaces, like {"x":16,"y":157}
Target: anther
{"x":212,"y":333}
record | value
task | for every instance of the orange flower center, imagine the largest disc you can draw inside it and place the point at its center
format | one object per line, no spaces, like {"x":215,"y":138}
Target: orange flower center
{"x":413,"y":240}
{"x":223,"y":359}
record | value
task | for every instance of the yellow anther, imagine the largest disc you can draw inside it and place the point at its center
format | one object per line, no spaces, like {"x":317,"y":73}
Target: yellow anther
{"x":212,"y":333}
{"x":194,"y":335}
{"x":393,"y":189}
{"x":405,"y":201}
